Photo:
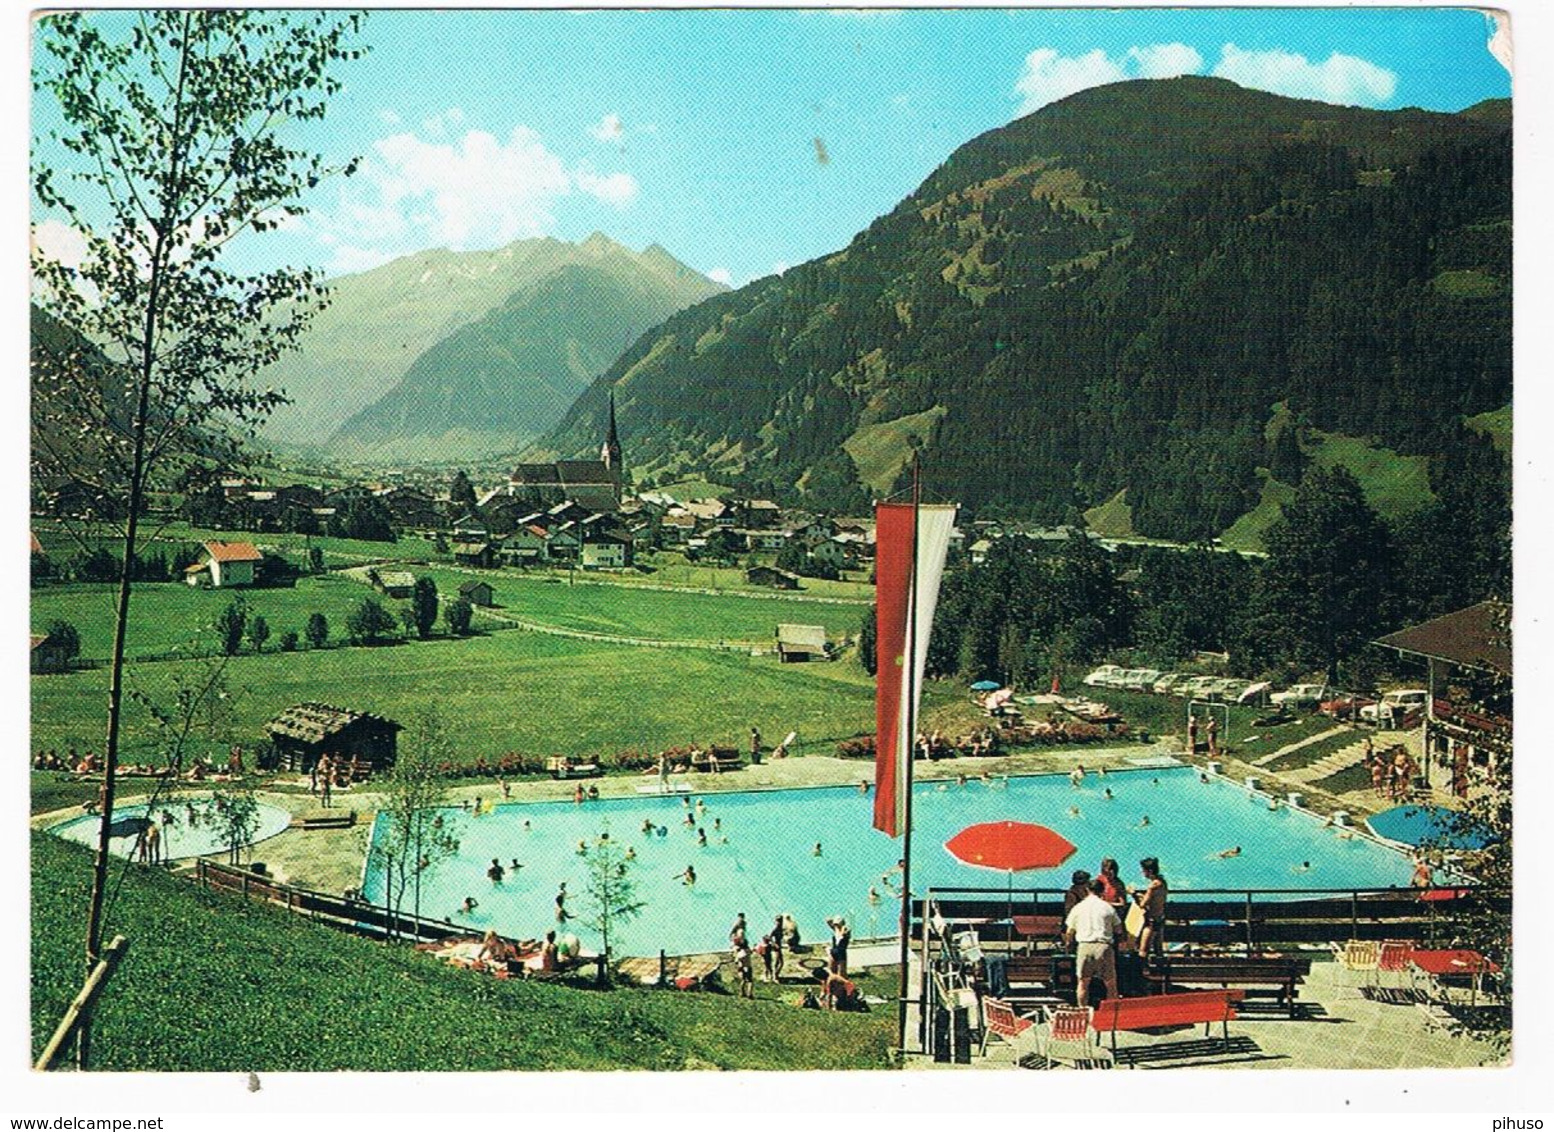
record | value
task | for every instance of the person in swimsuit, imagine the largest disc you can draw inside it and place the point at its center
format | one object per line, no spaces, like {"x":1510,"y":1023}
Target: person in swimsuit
{"x":1152,"y":898}
{"x":495,"y":873}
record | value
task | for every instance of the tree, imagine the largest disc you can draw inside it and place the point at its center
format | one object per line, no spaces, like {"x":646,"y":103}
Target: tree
{"x":65,"y":639}
{"x":423,"y":606}
{"x":868,"y":634}
{"x":413,"y":835}
{"x":458,"y":616}
{"x":369,"y":520}
{"x":289,"y":641}
{"x":315,"y":560}
{"x":317,"y":630}
{"x":611,"y":893}
{"x":369,"y":622}
{"x":230,"y":625}
{"x":258,"y":632}
{"x":171,"y":139}
{"x":1327,"y":582}
{"x":461,"y":493}
{"x":233,"y":810}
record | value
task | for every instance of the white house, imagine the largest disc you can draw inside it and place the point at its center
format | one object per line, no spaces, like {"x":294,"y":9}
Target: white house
{"x":225,"y":565}
{"x":605,"y":552}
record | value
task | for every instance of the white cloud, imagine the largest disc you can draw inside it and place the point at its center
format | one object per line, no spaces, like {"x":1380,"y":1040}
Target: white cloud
{"x":440,"y":124}
{"x":619,"y":189}
{"x":1164,"y":60}
{"x":472,"y":190}
{"x":1049,"y":76}
{"x":721,"y":275}
{"x":607,"y":129}
{"x":1344,"y":79}
{"x":389,"y":117}
{"x":59,"y":242}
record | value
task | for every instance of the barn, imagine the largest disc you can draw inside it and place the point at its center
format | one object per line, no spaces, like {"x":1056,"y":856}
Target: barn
{"x":304,"y":732}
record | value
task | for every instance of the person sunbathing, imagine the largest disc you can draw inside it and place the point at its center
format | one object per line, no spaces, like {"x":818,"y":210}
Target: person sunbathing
{"x":493,"y":949}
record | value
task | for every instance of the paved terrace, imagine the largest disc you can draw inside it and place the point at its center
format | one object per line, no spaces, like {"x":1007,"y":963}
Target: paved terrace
{"x":1342,"y":1028}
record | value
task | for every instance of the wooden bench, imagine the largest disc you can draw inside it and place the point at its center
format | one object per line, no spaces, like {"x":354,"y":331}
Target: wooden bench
{"x":562,"y":767}
{"x":325,"y":821}
{"x":1053,"y":972}
{"x":1034,"y":929}
{"x":1283,"y":974}
{"x":717,"y":759}
{"x":1158,"y":1011}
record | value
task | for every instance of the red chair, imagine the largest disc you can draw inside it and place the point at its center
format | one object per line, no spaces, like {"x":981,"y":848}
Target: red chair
{"x":1069,"y":1038}
{"x":1395,"y":958}
{"x":999,"y":1020}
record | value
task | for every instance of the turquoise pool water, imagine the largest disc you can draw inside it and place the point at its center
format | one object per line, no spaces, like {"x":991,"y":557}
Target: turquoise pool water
{"x":768,"y":866}
{"x":183,"y":839}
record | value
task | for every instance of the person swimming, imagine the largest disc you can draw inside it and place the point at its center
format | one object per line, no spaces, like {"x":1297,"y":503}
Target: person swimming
{"x":515,"y":865}
{"x":1145,"y":822}
{"x":874,"y":895}
{"x":495,"y":873}
{"x":717,"y":825}
{"x":527,"y":827}
{"x":470,"y":904}
{"x":1303,"y":867}
{"x":1108,"y":793}
{"x":690,"y":820}
{"x":816,"y":852}
{"x":688,"y":877}
{"x":582,"y":848}
{"x":647,"y":825}
{"x":701,"y":838}
{"x":631,"y":852}
{"x":1232,"y":852}
{"x":1076,"y":776}
{"x":1073,"y":811}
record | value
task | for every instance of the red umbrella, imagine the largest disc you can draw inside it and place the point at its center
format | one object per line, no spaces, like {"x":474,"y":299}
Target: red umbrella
{"x":1010,"y":846}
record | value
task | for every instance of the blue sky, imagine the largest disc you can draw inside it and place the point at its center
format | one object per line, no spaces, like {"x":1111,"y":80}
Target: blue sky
{"x":705,"y":131}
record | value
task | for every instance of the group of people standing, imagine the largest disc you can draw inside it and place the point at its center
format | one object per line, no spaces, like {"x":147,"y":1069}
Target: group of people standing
{"x":1394,"y":777}
{"x":1095,"y":914}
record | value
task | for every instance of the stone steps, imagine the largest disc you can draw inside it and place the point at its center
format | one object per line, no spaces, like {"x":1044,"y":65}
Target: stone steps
{"x":1306,"y":742}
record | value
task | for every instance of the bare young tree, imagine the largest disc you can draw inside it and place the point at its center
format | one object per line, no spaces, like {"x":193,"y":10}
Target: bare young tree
{"x":169,"y":139}
{"x":413,"y":835}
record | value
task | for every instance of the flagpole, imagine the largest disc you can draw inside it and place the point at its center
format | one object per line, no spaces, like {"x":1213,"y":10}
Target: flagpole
{"x":911,"y":741}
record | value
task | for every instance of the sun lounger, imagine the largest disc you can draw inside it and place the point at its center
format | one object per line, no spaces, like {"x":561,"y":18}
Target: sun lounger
{"x":560,"y":767}
{"x":1159,"y":1011}
{"x":716,"y":759}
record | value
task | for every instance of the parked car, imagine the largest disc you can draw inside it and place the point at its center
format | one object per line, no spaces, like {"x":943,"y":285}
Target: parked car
{"x":1195,"y":687}
{"x":1141,"y":679}
{"x":1303,"y":695}
{"x":1102,"y":677}
{"x":1255,"y":693}
{"x":1344,"y":705}
{"x":1168,"y":683}
{"x":1224,"y":690}
{"x":1395,"y":705}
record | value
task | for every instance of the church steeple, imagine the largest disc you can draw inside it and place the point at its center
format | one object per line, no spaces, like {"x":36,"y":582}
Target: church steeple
{"x":611,"y":452}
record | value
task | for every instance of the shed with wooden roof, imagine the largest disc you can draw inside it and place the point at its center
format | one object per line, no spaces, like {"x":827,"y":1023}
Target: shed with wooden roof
{"x":802,"y":642}
{"x":304,"y":732}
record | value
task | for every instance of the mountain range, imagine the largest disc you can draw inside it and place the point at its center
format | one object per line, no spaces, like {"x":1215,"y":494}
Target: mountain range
{"x":448,"y":355}
{"x":1162,"y":296}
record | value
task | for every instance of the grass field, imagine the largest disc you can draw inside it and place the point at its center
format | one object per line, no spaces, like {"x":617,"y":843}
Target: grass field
{"x":1247,"y":532}
{"x":169,"y":616}
{"x":1112,"y":519}
{"x":1496,"y":424}
{"x":1396,"y":486}
{"x":506,"y":691}
{"x":662,"y":615}
{"x":239,"y":987}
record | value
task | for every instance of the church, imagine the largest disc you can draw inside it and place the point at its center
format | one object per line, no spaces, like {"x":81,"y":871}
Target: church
{"x":592,"y":484}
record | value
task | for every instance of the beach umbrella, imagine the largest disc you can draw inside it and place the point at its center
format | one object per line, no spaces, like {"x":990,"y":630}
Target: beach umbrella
{"x":1429,"y":825}
{"x":985,"y":686}
{"x":1011,"y":847}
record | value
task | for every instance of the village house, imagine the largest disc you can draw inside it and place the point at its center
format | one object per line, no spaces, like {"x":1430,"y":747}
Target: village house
{"x":526,"y":546}
{"x":478,"y":593}
{"x":410,"y":507}
{"x":764,"y":539}
{"x":565,"y":543}
{"x":830,"y":553}
{"x":798,"y":643}
{"x":757,"y":513}
{"x":602,"y":550}
{"x":48,"y":655}
{"x":676,"y":527}
{"x":773,"y":577}
{"x":301,"y":734}
{"x":478,"y":555}
{"x":392,"y":583}
{"x":225,"y":565}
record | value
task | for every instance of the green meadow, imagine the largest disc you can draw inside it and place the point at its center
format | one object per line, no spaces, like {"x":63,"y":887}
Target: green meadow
{"x":499,"y":692}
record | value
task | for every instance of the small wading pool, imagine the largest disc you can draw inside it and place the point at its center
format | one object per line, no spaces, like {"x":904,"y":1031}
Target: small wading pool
{"x":768,"y":866}
{"x":181,"y":839}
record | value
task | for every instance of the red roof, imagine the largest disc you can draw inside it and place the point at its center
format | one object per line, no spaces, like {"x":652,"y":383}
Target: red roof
{"x":233,"y":552}
{"x":1475,"y":637}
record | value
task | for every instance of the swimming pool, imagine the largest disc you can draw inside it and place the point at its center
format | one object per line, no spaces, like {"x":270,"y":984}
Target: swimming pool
{"x":768,"y":865}
{"x":182,"y":839}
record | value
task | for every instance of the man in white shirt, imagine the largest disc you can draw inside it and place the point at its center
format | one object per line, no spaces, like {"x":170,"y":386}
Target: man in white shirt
{"x":1095,"y":926}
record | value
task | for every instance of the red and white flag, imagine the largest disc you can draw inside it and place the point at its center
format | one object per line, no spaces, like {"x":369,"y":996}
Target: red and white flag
{"x":897,"y":686}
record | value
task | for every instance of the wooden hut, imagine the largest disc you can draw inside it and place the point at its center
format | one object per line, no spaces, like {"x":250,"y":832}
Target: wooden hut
{"x":304,"y":732}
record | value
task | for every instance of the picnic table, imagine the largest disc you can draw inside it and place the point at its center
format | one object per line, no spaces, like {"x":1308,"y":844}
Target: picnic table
{"x":1454,"y":962}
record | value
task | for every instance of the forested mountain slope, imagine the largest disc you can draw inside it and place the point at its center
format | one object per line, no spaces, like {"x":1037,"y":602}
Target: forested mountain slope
{"x":1158,"y":286}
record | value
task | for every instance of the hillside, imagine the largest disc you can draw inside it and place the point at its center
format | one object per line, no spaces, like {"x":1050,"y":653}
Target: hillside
{"x":1107,"y":295}
{"x":509,"y":376}
{"x":212,"y":984}
{"x":380,"y":323}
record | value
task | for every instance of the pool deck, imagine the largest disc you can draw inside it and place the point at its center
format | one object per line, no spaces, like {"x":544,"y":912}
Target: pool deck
{"x":1341,"y":1029}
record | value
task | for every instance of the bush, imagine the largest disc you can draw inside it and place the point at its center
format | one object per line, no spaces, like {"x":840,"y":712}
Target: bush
{"x":859,"y":748}
{"x":317,"y":630}
{"x":289,"y":641}
{"x":458,"y":616}
{"x":65,"y":638}
{"x":369,"y":622}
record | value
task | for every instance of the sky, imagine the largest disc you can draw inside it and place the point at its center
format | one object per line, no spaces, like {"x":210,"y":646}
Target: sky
{"x":748,"y":141}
